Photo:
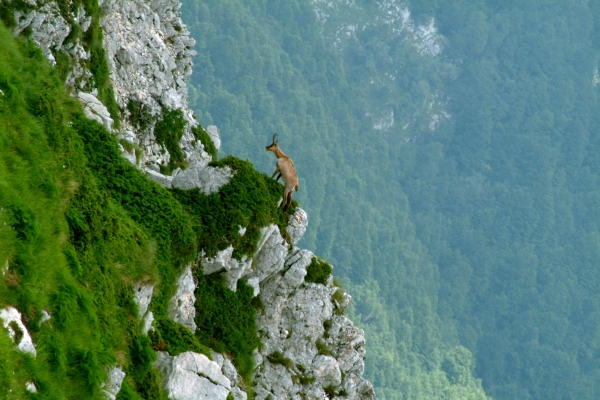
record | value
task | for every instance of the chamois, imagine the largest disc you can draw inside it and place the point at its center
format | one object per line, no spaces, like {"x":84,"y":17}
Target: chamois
{"x":285,"y":167}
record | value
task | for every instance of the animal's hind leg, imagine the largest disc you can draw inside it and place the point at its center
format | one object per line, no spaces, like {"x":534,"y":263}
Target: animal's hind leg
{"x":288,"y":201}
{"x":284,"y":201}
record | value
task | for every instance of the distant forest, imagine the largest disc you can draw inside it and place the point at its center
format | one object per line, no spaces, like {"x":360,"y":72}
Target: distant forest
{"x":450,"y":170}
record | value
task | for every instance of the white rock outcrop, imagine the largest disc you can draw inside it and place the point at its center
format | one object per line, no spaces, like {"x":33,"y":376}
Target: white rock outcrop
{"x":115,"y":379}
{"x":297,"y":224}
{"x":11,"y":320}
{"x":182,"y":307}
{"x":142,"y":296}
{"x":94,"y":109}
{"x":207,"y":179}
{"x":213,"y":132}
{"x":192,"y":376}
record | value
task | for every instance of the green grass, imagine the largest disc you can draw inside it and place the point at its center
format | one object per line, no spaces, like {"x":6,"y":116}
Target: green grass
{"x":248,"y":200}
{"x":277,"y":358}
{"x":318,"y":271}
{"x":322,"y":348}
{"x":77,"y":227}
{"x":168,"y":132}
{"x":226,"y":321}
{"x":42,"y":173}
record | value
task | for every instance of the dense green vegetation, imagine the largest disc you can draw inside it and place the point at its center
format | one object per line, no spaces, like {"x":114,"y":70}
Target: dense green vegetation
{"x":79,"y":225}
{"x":168,"y":132}
{"x":248,"y":201}
{"x":57,"y":243}
{"x":471,"y":249}
{"x":318,"y":271}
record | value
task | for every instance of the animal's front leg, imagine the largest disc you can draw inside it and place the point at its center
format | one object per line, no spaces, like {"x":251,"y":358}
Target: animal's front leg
{"x":274,"y":173}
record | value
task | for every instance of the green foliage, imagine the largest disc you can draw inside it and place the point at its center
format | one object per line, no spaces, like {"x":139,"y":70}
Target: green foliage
{"x":226,"y":320}
{"x":203,"y":136}
{"x":139,"y":115}
{"x":306,"y":380}
{"x":249,"y":200}
{"x":7,"y":15}
{"x":327,"y":327}
{"x":147,"y":203}
{"x":175,"y":338}
{"x":322,"y":348}
{"x":168,"y":132}
{"x":318,"y":271}
{"x":74,"y":243}
{"x":277,"y":358}
{"x":330,"y":391}
{"x":337,"y":298}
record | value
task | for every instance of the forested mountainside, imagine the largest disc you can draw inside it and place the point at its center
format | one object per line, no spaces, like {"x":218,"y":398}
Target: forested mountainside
{"x":136,"y":262}
{"x":453,"y":145}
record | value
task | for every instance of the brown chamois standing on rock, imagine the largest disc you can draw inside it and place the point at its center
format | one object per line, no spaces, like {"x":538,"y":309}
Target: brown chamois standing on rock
{"x":285,"y":167}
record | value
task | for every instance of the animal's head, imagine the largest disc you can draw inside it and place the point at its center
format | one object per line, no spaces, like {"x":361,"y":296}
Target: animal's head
{"x":273,"y":145}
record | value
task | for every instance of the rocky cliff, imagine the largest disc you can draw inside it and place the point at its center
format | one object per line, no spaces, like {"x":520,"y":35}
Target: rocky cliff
{"x":129,"y":75}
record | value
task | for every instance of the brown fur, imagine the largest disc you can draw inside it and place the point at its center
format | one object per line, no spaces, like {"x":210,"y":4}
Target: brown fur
{"x":287,"y":171}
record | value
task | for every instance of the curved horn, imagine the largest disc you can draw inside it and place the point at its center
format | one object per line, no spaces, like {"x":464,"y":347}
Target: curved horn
{"x":274,"y":140}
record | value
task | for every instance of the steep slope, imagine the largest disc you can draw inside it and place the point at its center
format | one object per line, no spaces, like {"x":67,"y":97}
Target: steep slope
{"x":113,"y":285}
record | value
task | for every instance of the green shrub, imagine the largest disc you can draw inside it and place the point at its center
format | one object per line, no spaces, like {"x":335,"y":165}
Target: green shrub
{"x":139,"y":115}
{"x":226,"y":320}
{"x":306,"y":380}
{"x":277,"y":358}
{"x":322,"y":348}
{"x":327,"y":326}
{"x":318,"y":271}
{"x":337,"y":298}
{"x":175,"y":338}
{"x":330,"y":391}
{"x":142,"y":356}
{"x":168,"y":132}
{"x":248,"y":200}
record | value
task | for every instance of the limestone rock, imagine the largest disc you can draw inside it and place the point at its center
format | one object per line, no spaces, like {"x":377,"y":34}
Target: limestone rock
{"x":270,"y":255}
{"x":207,"y":179}
{"x":297,"y":225}
{"x":142,"y":296}
{"x":159,"y":178}
{"x":299,"y":320}
{"x":30,"y":387}
{"x":115,"y":379}
{"x":233,"y":269}
{"x":11,"y":316}
{"x":213,"y":132}
{"x":327,"y":370}
{"x":45,"y":317}
{"x":192,"y":376}
{"x":48,"y":28}
{"x":182,"y":306}
{"x":94,"y":109}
